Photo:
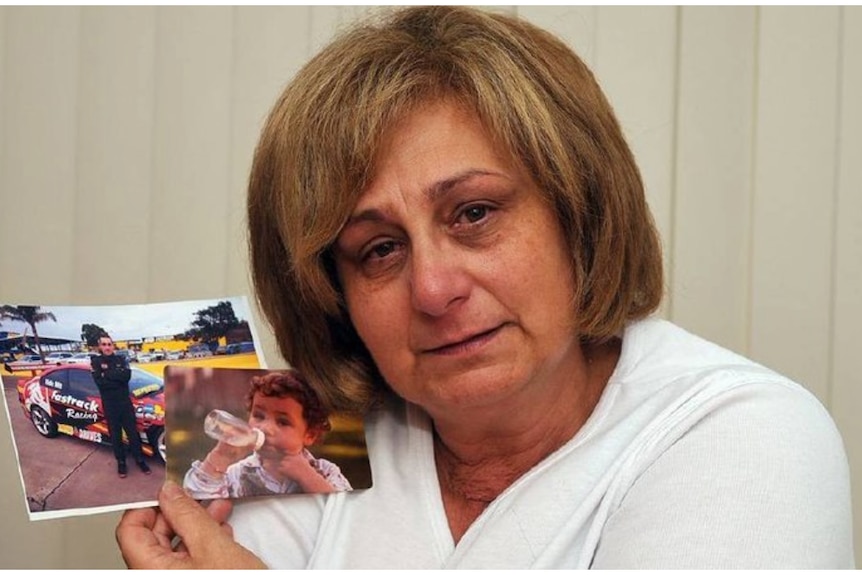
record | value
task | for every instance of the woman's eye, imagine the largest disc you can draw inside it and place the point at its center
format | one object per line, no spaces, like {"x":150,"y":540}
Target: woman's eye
{"x":381,"y":250}
{"x":475,"y":213}
{"x":283,"y":422}
{"x":257,"y":416}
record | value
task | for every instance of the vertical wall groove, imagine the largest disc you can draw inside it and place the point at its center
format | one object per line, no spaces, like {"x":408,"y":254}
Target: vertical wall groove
{"x":669,"y":250}
{"x":755,"y":106}
{"x":154,"y":144}
{"x":78,"y":217}
{"x":836,"y":198}
{"x":228,"y":164}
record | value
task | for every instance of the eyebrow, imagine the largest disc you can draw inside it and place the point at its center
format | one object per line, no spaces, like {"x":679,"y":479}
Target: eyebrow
{"x":273,"y":412}
{"x":432,"y":193}
{"x":442,"y":187}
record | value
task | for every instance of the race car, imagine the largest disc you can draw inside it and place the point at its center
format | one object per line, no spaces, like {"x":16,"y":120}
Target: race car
{"x":66,"y":400}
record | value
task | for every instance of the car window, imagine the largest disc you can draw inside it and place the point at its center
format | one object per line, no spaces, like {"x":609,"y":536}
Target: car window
{"x":57,"y":379}
{"x":81,"y":383}
{"x":144,"y":383}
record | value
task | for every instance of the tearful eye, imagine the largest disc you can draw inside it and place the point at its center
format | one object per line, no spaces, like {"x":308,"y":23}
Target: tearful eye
{"x":381,"y":250}
{"x":475,"y":213}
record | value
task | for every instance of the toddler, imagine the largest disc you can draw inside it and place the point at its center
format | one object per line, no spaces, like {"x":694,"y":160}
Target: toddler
{"x":285,"y":408}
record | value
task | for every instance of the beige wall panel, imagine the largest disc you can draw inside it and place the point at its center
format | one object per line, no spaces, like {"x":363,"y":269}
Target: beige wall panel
{"x":794,"y":190}
{"x":3,"y":194}
{"x":711,"y":221}
{"x":38,"y":51}
{"x":326,"y":21}
{"x":323,"y":22}
{"x":3,"y":10}
{"x":25,"y":544}
{"x":38,"y":172}
{"x":635,"y":63}
{"x":114,"y":155}
{"x":112,"y":219}
{"x":270,"y":45}
{"x":89,"y":543}
{"x":575,"y":25}
{"x":846,"y":381}
{"x":191,"y":172}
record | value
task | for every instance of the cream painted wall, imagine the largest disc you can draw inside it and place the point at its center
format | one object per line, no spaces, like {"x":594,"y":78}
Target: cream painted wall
{"x":126,"y":134}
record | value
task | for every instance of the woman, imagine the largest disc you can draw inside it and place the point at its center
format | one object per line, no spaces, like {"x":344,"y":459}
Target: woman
{"x":449,"y":233}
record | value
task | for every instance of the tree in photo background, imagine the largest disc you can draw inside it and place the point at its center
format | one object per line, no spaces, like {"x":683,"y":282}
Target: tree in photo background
{"x":215,"y":322}
{"x":90,"y":333}
{"x":31,"y":315}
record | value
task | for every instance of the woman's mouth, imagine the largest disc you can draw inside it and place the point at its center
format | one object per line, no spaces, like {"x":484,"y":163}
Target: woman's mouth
{"x":467,"y":344}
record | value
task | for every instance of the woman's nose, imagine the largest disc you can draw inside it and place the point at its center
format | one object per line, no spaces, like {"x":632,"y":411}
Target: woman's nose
{"x":438,"y":279}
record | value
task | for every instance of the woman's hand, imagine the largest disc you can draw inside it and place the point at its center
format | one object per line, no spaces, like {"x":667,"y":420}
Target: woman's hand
{"x":146,"y":536}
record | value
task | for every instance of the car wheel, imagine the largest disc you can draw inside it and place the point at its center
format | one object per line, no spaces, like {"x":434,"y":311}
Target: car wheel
{"x":156,"y":436}
{"x":42,"y":422}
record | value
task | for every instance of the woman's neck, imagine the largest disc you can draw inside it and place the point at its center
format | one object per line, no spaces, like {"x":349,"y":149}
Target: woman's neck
{"x":480,"y":454}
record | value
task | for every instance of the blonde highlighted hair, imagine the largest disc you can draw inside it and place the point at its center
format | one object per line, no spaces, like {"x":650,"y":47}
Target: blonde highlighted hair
{"x":318,"y":148}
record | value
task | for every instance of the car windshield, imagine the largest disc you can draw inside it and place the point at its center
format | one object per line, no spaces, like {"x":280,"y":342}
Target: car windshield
{"x":143,"y":383}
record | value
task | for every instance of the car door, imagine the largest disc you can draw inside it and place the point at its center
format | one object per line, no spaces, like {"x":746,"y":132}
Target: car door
{"x":82,"y":405}
{"x":54,"y":387}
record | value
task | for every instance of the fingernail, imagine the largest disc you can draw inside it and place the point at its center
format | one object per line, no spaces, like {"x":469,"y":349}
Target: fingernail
{"x":172,"y":490}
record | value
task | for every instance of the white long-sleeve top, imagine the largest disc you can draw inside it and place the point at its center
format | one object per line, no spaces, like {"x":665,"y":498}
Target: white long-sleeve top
{"x":693,"y":458}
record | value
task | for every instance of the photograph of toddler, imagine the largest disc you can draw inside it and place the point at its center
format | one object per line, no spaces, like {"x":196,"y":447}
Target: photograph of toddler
{"x":268,"y":452}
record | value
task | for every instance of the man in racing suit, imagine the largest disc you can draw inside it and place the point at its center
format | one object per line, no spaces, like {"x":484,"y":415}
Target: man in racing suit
{"x":112,"y":375}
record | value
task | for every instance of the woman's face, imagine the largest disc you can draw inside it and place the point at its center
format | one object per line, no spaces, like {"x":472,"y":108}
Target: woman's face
{"x":454,"y":269}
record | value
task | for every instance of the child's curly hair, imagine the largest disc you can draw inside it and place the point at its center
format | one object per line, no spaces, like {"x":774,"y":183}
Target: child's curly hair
{"x":290,"y":383}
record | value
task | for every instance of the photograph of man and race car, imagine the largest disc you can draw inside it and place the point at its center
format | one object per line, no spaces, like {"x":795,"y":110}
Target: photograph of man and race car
{"x":76,"y":377}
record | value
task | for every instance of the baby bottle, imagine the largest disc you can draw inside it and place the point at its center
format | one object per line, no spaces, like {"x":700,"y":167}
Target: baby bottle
{"x":226,"y":427}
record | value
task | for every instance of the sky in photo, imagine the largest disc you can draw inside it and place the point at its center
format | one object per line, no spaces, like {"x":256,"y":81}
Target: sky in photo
{"x":126,"y":321}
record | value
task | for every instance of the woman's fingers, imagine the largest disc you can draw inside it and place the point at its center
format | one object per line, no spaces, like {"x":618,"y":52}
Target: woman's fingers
{"x":181,"y":534}
{"x":204,"y":541}
{"x":219,"y":509}
{"x":185,"y":516}
{"x":143,"y":543}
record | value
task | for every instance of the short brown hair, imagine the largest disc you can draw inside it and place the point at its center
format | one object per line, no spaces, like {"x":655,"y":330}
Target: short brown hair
{"x":290,"y":383}
{"x":535,"y":97}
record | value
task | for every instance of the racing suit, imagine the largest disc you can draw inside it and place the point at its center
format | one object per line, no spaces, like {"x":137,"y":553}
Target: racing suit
{"x":112,"y":375}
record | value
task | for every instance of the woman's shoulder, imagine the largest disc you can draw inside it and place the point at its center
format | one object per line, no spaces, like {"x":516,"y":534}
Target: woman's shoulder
{"x":659,"y":358}
{"x":670,"y":383}
{"x":656,"y":346}
{"x":752,"y":465}
{"x":717,"y":452}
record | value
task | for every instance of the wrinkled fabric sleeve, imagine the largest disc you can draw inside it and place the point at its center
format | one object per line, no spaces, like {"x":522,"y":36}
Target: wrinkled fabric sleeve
{"x":201,"y":485}
{"x":760,"y":482}
{"x":332,"y":473}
